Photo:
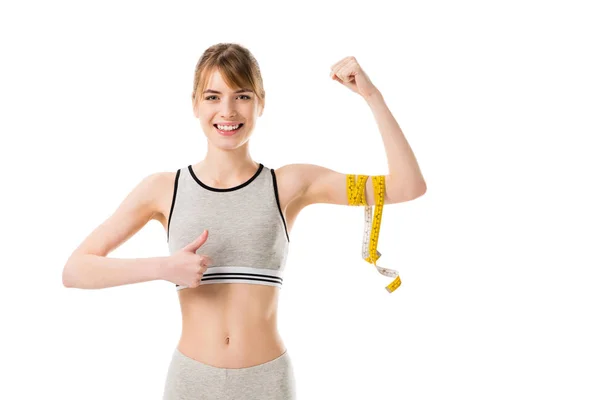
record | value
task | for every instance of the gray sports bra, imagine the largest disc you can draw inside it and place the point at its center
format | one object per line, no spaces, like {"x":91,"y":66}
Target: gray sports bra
{"x":247,"y":233}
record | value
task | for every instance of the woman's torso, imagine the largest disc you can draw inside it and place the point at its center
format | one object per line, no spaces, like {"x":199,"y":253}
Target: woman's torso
{"x":231,"y":325}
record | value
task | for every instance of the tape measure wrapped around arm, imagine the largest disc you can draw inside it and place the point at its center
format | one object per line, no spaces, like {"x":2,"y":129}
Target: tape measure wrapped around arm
{"x":356,"y":197}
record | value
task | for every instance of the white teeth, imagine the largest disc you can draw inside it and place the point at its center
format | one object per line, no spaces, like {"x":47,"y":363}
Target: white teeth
{"x":228,"y":127}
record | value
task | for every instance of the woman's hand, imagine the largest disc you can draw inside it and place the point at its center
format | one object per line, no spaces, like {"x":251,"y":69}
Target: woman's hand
{"x":185,"y":267}
{"x":350,"y":74}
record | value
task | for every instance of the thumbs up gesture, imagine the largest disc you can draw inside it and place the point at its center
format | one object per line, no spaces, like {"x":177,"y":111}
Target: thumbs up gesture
{"x":185,"y":267}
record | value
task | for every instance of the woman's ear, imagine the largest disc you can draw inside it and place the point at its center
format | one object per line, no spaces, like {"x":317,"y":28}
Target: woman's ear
{"x":261,"y":107}
{"x":194,"y":108}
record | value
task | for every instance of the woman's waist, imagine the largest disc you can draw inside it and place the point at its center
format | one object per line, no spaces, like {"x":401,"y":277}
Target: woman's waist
{"x":239,"y":327}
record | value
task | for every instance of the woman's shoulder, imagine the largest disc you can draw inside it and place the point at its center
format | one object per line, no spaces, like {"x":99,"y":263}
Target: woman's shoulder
{"x":289,"y":183}
{"x":160,"y":179}
{"x":161,"y":185}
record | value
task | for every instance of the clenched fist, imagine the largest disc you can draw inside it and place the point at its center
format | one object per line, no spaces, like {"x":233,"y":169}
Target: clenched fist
{"x":349,"y":73}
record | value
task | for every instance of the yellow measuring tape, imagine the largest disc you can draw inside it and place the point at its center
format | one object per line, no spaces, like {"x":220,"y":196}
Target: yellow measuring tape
{"x":356,"y":197}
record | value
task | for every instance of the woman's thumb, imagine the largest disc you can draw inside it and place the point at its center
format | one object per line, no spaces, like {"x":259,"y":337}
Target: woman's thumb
{"x":200,"y":240}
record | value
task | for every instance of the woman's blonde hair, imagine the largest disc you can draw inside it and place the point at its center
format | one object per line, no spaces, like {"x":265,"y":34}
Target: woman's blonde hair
{"x":237,"y":66}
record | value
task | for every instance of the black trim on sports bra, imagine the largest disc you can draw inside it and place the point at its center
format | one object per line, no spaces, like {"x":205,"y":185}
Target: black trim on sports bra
{"x":205,"y":186}
{"x":279,"y":205}
{"x":173,"y":201}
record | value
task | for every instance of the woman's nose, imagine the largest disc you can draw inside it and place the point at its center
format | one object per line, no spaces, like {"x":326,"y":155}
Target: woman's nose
{"x":228,"y":113}
{"x":228,"y":109}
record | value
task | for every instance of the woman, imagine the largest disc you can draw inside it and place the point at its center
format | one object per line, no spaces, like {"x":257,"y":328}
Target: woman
{"x":227,"y":220}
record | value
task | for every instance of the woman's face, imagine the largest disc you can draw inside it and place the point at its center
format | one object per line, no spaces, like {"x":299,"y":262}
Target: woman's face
{"x":229,"y":105}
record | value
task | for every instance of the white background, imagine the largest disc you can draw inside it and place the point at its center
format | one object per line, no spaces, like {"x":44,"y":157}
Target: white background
{"x":499,"y":259}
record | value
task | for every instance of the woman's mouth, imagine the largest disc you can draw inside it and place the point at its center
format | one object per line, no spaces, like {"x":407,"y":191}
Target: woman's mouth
{"x":228,"y":130}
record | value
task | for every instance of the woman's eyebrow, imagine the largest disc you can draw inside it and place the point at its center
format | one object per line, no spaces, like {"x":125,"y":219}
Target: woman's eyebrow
{"x":237,"y":91}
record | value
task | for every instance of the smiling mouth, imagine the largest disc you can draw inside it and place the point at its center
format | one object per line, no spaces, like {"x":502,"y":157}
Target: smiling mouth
{"x":228,"y":132}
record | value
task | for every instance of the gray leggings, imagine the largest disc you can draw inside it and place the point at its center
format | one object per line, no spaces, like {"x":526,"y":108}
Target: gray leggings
{"x":189,"y":379}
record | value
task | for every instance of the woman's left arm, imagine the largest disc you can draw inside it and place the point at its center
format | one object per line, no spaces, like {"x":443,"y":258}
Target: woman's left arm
{"x":404,"y":181}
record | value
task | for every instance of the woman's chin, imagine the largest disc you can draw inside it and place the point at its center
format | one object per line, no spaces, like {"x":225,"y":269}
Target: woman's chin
{"x":227,"y":143}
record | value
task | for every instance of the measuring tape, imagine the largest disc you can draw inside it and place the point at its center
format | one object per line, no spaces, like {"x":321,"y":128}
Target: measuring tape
{"x":356,"y":197}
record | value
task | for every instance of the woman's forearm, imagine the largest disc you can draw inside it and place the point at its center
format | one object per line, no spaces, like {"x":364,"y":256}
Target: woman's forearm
{"x":88,"y":271}
{"x":402,"y":163}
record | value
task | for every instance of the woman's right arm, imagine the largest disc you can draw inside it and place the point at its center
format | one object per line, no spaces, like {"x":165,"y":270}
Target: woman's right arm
{"x":88,"y":267}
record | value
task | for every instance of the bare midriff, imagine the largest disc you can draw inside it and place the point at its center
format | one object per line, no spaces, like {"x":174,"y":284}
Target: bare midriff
{"x":230,"y":325}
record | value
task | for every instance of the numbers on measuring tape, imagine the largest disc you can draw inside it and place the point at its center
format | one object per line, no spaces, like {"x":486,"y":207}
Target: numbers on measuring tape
{"x":394,"y":285}
{"x":356,"y":191}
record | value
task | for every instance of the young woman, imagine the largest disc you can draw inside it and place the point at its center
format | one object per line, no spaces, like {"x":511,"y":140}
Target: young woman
{"x":227,"y":220}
